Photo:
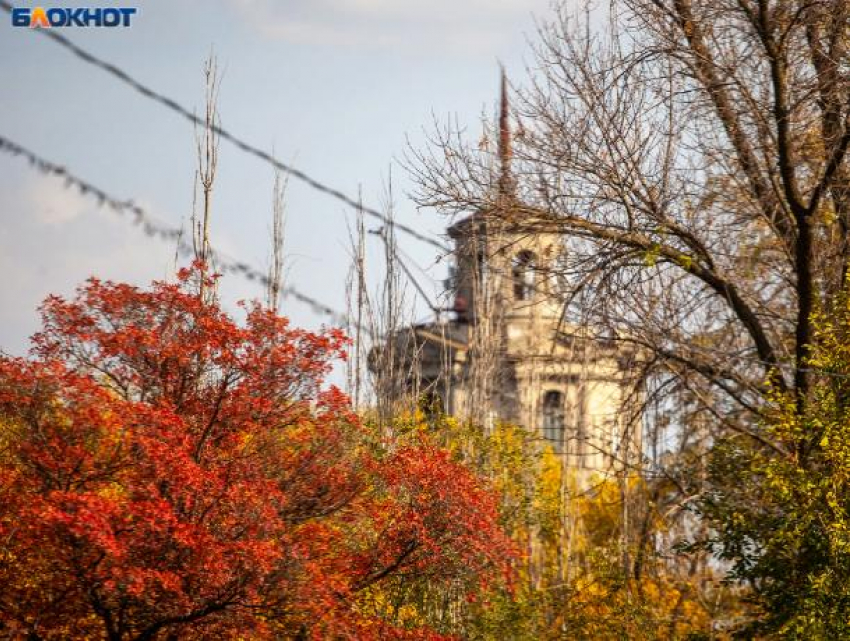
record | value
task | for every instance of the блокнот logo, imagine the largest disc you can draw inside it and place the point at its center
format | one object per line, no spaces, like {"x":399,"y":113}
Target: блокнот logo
{"x":39,"y":17}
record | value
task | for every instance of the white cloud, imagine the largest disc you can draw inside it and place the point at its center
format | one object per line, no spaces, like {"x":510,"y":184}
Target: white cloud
{"x":52,"y":203}
{"x":459,"y":26}
{"x":52,"y":240}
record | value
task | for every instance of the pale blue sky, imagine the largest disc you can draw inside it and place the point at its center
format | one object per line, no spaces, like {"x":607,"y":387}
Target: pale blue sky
{"x":335,"y":86}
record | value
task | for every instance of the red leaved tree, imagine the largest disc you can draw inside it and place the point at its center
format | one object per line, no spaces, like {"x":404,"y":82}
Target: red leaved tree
{"x":168,"y":473}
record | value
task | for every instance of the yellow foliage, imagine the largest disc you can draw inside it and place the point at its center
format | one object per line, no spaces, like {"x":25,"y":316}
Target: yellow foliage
{"x":576,"y":576}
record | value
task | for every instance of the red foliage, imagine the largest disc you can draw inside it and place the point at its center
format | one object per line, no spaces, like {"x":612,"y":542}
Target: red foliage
{"x":168,"y":472}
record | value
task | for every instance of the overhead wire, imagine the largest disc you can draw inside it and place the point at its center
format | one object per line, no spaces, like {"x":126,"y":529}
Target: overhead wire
{"x":246,"y":147}
{"x":412,"y":261}
{"x":381,"y":233}
{"x":153,"y":227}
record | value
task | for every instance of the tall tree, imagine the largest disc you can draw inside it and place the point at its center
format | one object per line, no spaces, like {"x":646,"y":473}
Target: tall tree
{"x":695,"y":158}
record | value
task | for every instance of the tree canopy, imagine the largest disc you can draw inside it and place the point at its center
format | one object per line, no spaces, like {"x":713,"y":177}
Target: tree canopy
{"x":167,"y":472}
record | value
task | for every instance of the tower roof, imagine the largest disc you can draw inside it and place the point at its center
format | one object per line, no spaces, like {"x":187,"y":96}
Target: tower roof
{"x":505,"y":150}
{"x":506,"y":182}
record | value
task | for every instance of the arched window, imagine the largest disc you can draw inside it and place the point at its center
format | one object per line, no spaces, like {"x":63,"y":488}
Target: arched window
{"x":523,"y":275}
{"x":552,"y":418}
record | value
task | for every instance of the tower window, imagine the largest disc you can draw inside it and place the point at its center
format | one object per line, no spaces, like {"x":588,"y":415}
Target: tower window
{"x":523,"y":275}
{"x":481,"y":267}
{"x":552,"y":418}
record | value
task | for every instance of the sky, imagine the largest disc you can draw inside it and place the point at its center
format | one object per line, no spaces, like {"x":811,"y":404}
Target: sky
{"x":337,"y":88}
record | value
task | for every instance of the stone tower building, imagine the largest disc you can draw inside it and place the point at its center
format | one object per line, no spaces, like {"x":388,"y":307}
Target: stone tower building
{"x":507,"y":355}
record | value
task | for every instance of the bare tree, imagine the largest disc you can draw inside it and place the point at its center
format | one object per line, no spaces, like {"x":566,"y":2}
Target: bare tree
{"x":276,"y":267}
{"x":384,"y":342}
{"x":694,"y":156}
{"x":207,"y":142}
{"x":357,"y":304}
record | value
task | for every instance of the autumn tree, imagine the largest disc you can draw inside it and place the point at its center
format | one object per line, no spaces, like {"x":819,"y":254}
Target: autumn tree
{"x":569,"y":581}
{"x":693,"y":155}
{"x":784,"y":524}
{"x":166,"y":472}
